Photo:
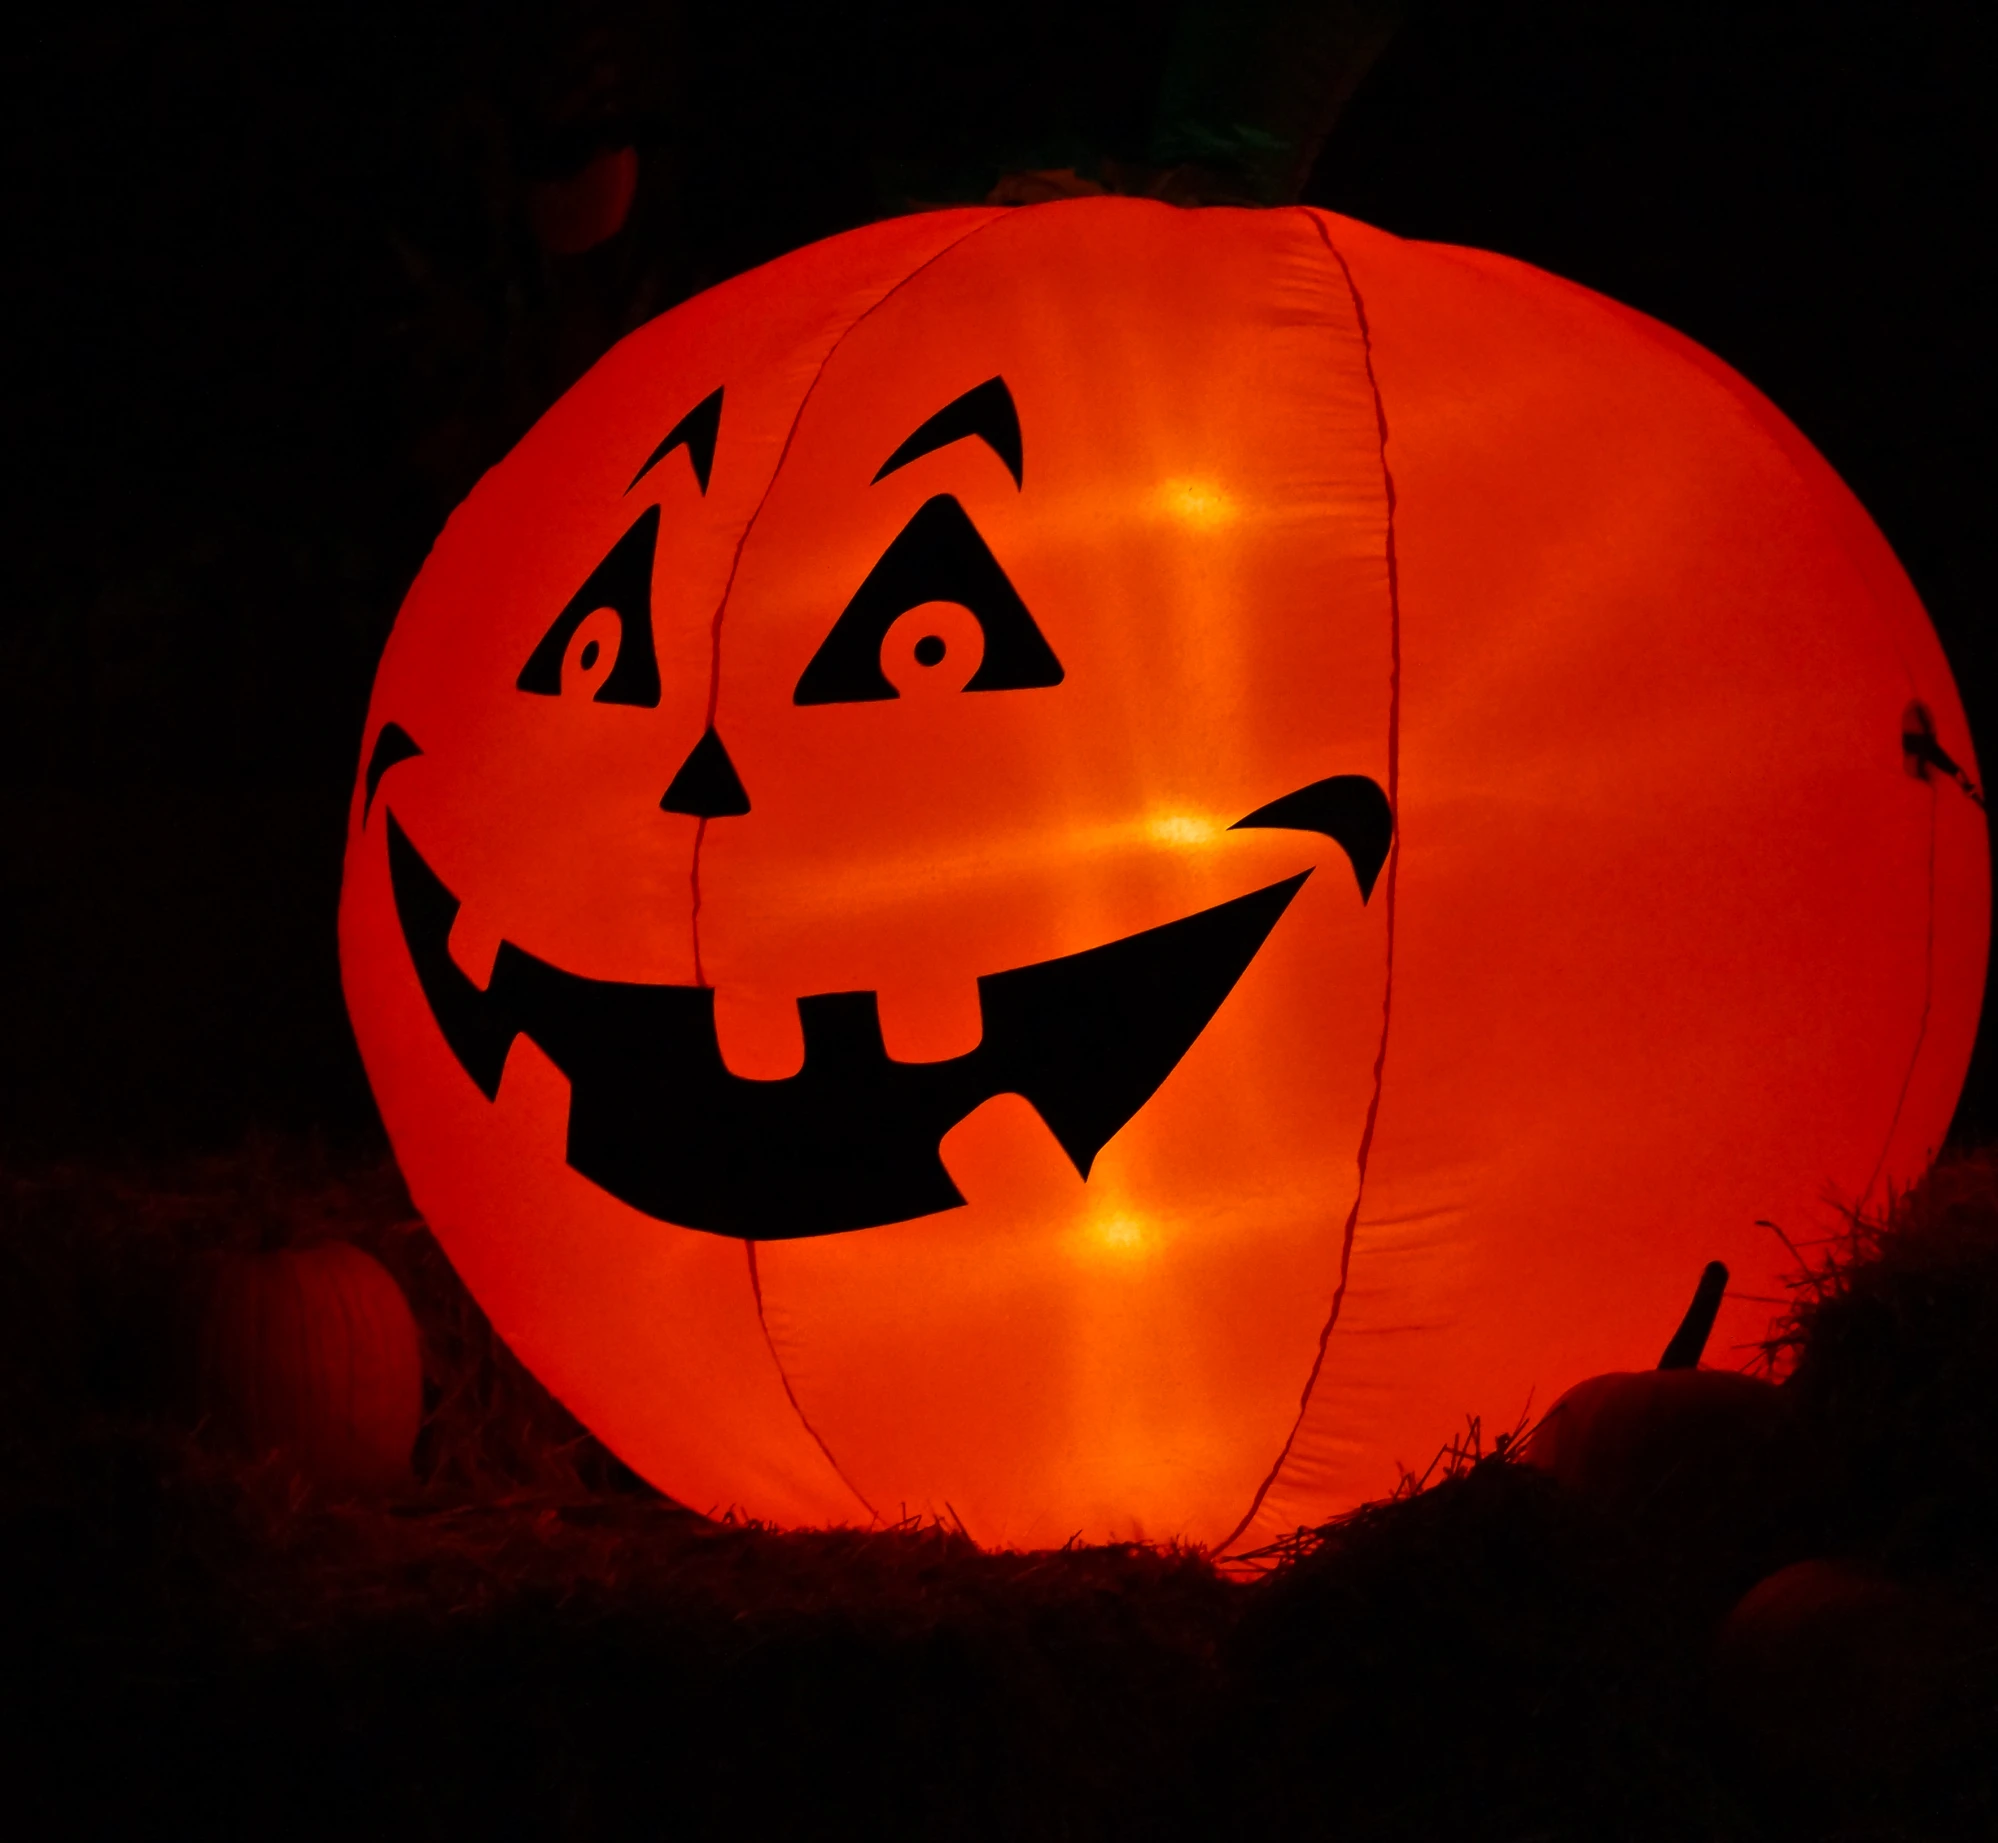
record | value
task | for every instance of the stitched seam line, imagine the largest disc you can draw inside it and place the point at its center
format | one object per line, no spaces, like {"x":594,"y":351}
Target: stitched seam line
{"x":790,"y":1394}
{"x":1393,"y":866}
{"x":701,"y":830}
{"x":741,"y":543}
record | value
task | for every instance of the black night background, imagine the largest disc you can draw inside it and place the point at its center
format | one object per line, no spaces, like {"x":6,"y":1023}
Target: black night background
{"x":280,"y":284}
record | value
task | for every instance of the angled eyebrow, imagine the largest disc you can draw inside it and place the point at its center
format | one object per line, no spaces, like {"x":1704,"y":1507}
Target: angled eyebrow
{"x":695,"y":432}
{"x":985,"y":411}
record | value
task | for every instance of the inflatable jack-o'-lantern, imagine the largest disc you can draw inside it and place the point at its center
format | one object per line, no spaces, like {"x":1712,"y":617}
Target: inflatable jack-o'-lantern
{"x":1089,"y":867}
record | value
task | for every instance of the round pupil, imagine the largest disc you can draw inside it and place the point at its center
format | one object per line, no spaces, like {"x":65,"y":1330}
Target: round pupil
{"x":929,"y":649}
{"x":588,"y":657}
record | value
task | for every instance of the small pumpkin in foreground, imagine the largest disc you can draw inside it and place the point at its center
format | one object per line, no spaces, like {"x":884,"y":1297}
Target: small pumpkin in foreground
{"x":1629,"y":1435}
{"x":1830,"y":1674}
{"x":313,"y":1352}
{"x":1693,"y":1456}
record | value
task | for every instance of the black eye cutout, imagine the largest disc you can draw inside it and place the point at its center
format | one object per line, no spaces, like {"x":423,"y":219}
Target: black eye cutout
{"x":622,"y":582}
{"x":939,"y":557}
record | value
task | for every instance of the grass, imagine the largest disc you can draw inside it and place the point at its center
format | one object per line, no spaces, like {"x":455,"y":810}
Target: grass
{"x":531,"y":1642}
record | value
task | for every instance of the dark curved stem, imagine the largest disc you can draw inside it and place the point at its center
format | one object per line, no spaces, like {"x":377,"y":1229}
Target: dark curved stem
{"x":1694,"y":1329}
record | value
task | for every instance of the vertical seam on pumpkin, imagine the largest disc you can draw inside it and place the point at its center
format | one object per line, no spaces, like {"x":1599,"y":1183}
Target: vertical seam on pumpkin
{"x":701,"y":830}
{"x":694,"y":908}
{"x":1393,"y":866}
{"x":741,"y":543}
{"x":783,"y":1376}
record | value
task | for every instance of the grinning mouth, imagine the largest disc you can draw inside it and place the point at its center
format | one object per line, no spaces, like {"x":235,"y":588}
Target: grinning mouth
{"x":851,"y":1141}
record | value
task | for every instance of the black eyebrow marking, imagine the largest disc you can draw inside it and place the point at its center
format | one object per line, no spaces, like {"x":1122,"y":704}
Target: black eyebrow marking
{"x":986,"y":411}
{"x":1350,"y":809}
{"x":695,"y":432}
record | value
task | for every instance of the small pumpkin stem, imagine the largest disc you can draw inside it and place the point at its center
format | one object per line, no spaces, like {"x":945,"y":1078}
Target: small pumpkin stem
{"x":1697,"y":1326}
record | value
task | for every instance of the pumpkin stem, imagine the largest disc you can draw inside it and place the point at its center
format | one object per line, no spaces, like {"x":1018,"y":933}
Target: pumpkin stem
{"x":1247,"y":91}
{"x":1252,"y":88}
{"x":1694,"y":1329}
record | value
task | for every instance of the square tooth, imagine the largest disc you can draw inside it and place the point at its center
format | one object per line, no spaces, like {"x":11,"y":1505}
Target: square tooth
{"x":760,"y":1033}
{"x":930,"y":1022}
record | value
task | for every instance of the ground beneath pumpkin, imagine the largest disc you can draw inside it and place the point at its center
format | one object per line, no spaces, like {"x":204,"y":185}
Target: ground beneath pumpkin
{"x":529,"y":1642}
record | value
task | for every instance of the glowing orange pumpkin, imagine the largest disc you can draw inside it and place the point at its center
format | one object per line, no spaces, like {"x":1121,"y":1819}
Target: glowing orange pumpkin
{"x":1090,"y":866}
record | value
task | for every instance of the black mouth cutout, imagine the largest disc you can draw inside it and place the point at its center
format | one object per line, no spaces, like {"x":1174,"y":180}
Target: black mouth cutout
{"x":851,"y":1141}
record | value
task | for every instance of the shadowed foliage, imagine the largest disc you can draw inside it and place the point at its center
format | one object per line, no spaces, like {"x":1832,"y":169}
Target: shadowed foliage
{"x":527,"y":1640}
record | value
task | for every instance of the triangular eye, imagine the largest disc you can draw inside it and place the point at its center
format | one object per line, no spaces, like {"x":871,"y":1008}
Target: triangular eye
{"x":622,"y":582}
{"x":939,"y":557}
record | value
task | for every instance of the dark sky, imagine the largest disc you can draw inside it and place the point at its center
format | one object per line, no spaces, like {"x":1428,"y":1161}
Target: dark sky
{"x":274,"y":302}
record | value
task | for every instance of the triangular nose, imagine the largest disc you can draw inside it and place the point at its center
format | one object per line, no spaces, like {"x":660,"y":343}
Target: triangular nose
{"x":707,"y":785}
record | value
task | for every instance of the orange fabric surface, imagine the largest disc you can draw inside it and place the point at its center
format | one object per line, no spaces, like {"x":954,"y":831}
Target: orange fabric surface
{"x":1669,"y":939}
{"x":1663,"y":955}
